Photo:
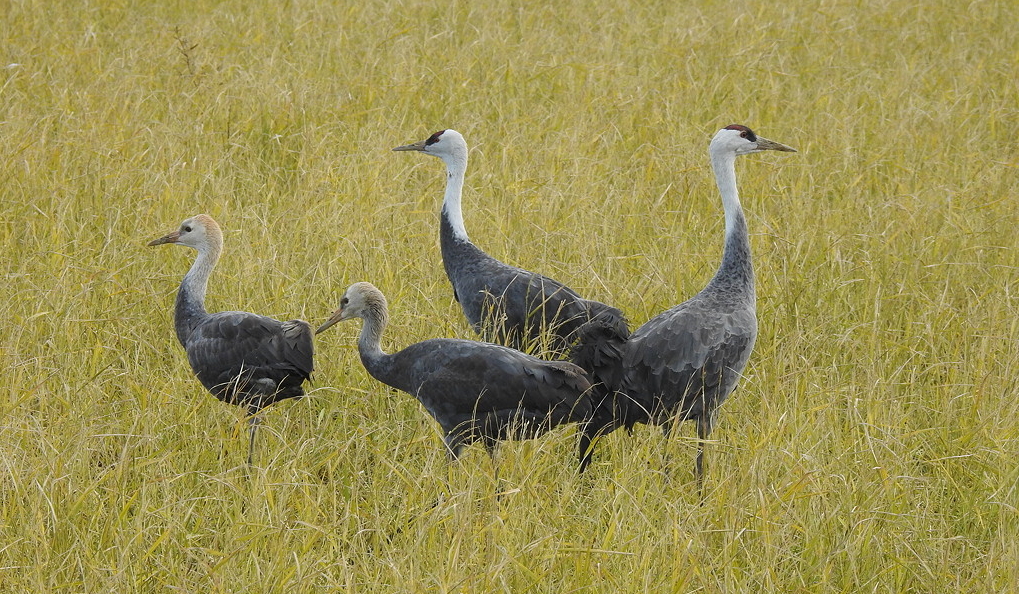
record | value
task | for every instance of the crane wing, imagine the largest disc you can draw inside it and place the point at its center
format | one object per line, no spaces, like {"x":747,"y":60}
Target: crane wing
{"x":457,"y":380}
{"x":270,"y":355}
{"x":512,"y":306}
{"x":685,"y":356}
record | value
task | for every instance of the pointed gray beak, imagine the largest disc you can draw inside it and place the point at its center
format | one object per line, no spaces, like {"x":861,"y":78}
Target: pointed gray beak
{"x":336,"y":317}
{"x":416,"y":146}
{"x":168,"y":238}
{"x":763,"y":144}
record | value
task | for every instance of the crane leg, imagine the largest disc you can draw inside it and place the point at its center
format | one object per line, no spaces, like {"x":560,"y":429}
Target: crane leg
{"x":254,"y":420}
{"x":491,"y":446}
{"x":589,"y":436}
{"x":704,"y":425}
{"x":586,"y":451}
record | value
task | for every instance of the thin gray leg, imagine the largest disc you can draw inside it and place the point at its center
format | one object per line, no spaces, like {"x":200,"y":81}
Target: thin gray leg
{"x":254,"y":420}
{"x":704,"y":425}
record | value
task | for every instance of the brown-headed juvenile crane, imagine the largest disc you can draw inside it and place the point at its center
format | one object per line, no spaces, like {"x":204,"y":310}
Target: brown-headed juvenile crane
{"x":476,"y":391}
{"x":683,"y":363}
{"x":242,"y":358}
{"x":503,"y":303}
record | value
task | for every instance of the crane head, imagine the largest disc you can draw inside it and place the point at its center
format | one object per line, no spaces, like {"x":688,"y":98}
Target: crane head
{"x":361,"y":300}
{"x":444,"y":144}
{"x":200,"y":232}
{"x":740,"y":140}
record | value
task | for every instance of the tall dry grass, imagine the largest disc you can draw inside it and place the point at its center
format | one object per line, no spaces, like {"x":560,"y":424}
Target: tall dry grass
{"x":871,"y":448}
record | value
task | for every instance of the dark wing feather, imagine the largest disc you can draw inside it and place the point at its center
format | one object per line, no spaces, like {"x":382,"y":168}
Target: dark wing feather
{"x":687,"y":360}
{"x":244,"y":358}
{"x":512,"y":306}
{"x":515,"y":307}
{"x":487,"y":387}
{"x":610,"y":317}
{"x":599,"y":349}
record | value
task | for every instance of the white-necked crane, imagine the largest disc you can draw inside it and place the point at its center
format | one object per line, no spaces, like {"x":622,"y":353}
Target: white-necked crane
{"x":242,"y":358}
{"x":683,"y":363}
{"x":504,"y":304}
{"x":476,"y":391}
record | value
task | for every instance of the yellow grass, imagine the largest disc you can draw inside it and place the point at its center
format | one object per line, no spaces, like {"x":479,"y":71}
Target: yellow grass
{"x":872,"y":447}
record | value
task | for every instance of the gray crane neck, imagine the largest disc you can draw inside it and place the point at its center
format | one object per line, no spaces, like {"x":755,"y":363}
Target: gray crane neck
{"x":736,"y":269}
{"x":188,"y":312}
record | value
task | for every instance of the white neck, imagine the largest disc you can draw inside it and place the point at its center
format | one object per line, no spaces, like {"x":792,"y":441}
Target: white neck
{"x":196,"y":281}
{"x":456,"y":167}
{"x":370,"y":342}
{"x":374,"y":320}
{"x":724,"y":166}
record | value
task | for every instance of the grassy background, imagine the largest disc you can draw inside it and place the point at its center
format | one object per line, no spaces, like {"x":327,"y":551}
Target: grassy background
{"x":872,"y":448}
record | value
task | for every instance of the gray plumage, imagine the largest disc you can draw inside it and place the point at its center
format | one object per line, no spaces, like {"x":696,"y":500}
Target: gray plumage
{"x":504,"y":304}
{"x":476,"y":391}
{"x":250,"y":360}
{"x":242,"y":358}
{"x":684,"y":363}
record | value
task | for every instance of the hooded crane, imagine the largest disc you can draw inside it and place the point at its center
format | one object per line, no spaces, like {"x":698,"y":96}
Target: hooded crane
{"x":683,"y":363}
{"x":503,"y":303}
{"x":242,"y":358}
{"x":476,"y":391}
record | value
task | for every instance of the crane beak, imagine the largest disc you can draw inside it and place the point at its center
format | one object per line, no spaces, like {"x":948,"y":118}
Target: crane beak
{"x":168,"y":238}
{"x":763,"y":144}
{"x":416,"y":146}
{"x":337,"y":316}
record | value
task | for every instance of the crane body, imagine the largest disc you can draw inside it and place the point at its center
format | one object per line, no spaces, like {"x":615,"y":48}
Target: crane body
{"x":683,"y":363}
{"x":503,"y":303}
{"x":244,"y":359}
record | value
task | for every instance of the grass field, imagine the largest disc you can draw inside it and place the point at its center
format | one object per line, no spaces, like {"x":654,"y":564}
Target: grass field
{"x":872,"y":447}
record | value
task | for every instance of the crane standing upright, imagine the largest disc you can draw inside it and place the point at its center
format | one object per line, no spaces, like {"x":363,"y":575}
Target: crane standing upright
{"x":503,"y":303}
{"x":241,"y":358}
{"x":683,"y":363}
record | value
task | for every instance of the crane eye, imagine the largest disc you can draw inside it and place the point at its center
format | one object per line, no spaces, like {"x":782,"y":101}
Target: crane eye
{"x":187,"y":229}
{"x":743,"y":134}
{"x":344,"y":302}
